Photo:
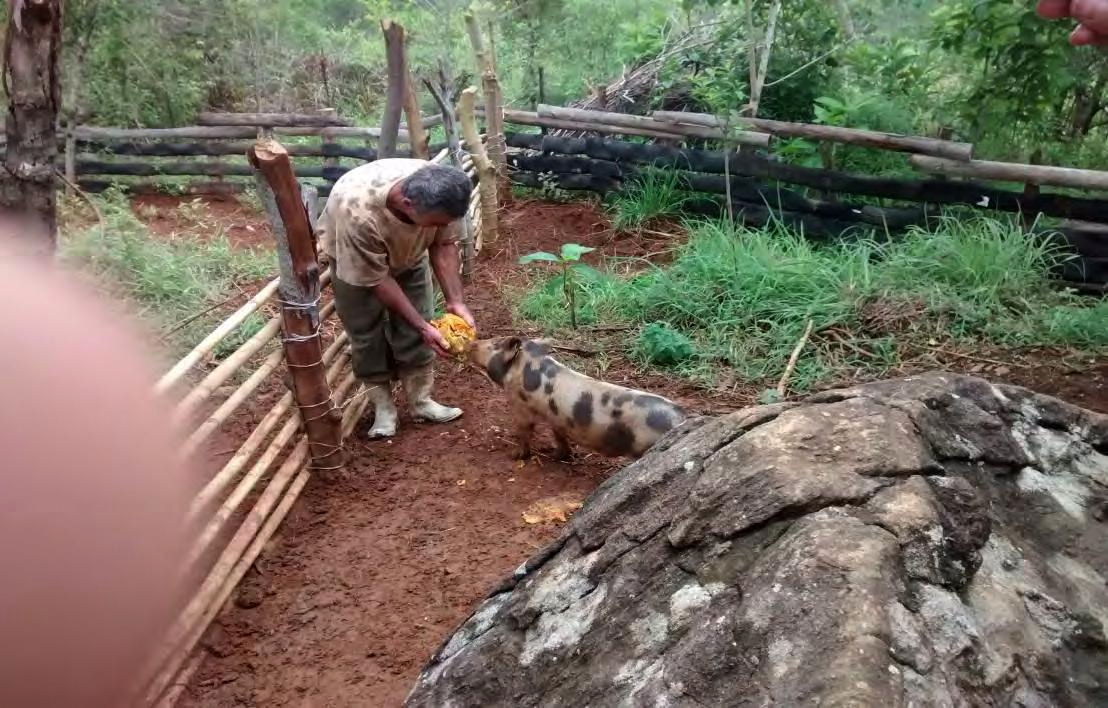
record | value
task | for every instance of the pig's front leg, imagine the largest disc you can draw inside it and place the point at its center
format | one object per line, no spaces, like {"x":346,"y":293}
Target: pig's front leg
{"x":525,"y":430}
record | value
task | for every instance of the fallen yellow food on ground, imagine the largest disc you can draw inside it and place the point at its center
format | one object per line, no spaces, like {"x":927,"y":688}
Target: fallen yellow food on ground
{"x":457,"y":333}
{"x":551,"y":510}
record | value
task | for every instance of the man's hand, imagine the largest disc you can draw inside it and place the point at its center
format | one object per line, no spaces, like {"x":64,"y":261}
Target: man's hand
{"x":459,"y":309}
{"x":434,"y":339}
{"x":1091,"y":15}
{"x":444,"y":261}
{"x":390,"y":294}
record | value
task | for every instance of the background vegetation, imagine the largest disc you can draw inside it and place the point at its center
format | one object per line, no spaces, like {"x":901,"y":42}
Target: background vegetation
{"x":987,"y":71}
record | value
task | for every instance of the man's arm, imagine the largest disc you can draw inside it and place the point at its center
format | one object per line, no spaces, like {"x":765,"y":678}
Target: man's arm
{"x":388,"y":291}
{"x":446,"y":264}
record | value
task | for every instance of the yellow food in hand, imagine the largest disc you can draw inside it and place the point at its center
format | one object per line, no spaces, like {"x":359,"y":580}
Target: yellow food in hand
{"x":457,"y":333}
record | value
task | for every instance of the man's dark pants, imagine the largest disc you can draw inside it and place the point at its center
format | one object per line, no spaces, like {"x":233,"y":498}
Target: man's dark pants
{"x":384,"y":346}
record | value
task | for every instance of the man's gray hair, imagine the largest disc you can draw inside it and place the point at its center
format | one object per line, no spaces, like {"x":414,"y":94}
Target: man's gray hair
{"x":438,"y":189}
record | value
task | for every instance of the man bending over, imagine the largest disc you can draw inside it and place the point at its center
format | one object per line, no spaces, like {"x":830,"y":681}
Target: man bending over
{"x":384,"y":223}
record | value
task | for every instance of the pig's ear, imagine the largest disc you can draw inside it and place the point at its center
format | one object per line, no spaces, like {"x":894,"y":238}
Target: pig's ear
{"x":510,"y":346}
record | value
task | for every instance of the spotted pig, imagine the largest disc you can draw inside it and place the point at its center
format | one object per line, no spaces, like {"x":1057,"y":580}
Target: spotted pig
{"x":610,"y":419}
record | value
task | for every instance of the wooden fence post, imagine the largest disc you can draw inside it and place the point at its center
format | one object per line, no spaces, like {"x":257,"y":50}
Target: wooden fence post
{"x":394,"y":98}
{"x":494,"y":108}
{"x":417,"y":134}
{"x":443,"y":97}
{"x":299,"y":291}
{"x":486,"y":172}
{"x":31,"y":59}
{"x":542,"y":93}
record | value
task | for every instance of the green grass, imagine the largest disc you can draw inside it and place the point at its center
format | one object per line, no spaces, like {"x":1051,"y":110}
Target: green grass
{"x":654,"y":194}
{"x":166,"y":282}
{"x":739,"y":299}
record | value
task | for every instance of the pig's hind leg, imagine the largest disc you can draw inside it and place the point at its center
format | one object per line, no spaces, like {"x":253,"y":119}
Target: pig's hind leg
{"x":562,"y":449}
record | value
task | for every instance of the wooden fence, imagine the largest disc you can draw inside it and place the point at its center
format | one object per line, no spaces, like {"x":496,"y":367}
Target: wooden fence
{"x":239,"y":509}
{"x":582,"y":151}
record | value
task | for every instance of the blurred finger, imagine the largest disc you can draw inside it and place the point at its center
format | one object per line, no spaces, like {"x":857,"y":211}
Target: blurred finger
{"x":1083,"y":36}
{"x":1054,"y":9}
{"x":1092,"y":14}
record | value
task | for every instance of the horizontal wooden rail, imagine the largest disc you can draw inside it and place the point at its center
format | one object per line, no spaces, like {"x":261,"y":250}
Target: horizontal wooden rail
{"x":197,"y":168}
{"x":648,"y":123}
{"x":199,"y":132}
{"x":273,"y":120}
{"x":829,"y":133}
{"x":1013,"y":172}
{"x":221,"y":149}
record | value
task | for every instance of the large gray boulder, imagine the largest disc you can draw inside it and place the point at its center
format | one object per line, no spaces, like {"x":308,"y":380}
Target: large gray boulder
{"x":932,"y":541}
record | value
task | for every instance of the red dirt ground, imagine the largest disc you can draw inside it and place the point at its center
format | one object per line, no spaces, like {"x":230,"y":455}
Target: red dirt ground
{"x":170,"y":216}
{"x":369,"y":574}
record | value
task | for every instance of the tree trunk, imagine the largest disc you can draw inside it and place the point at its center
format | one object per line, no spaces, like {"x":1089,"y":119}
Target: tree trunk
{"x":1087,"y":102}
{"x":394,"y":102}
{"x":846,"y":20}
{"x":31,"y":76}
{"x":763,"y":59}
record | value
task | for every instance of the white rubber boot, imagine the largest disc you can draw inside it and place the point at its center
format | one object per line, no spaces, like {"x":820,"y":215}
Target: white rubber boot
{"x":418,"y":385}
{"x":384,"y":411}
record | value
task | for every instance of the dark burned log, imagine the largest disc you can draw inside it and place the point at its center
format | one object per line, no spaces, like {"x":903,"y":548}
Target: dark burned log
{"x":570,"y":182}
{"x":219,"y":149}
{"x":209,"y":168}
{"x":96,"y":186}
{"x":565,"y":164}
{"x":32,"y":43}
{"x":749,"y":165}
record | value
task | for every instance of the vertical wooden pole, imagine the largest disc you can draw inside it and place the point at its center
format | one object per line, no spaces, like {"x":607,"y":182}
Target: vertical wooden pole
{"x":417,"y":135}
{"x":70,"y":156}
{"x":494,"y":109}
{"x":31,"y":65}
{"x":486,"y":172}
{"x":763,"y":59}
{"x":299,"y":297}
{"x":394,"y":97}
{"x":442,"y":96}
{"x":542,"y":94}
{"x":326,"y":140}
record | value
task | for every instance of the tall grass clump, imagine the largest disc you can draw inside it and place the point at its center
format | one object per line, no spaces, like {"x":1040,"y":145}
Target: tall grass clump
{"x":739,"y":299}
{"x":166,"y":282}
{"x":654,"y":194}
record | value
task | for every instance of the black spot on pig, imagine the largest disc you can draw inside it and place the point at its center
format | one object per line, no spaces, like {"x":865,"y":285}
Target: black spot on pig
{"x":553,"y":407}
{"x":604,"y":399}
{"x":648,"y":401}
{"x":531,"y":378}
{"x":536,"y":349}
{"x":582,"y":410}
{"x":617,"y":413}
{"x":548,"y":368}
{"x":659,"y":420}
{"x":622,"y":399}
{"x":548,"y":388}
{"x":498,"y":367}
{"x":618,"y":439}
